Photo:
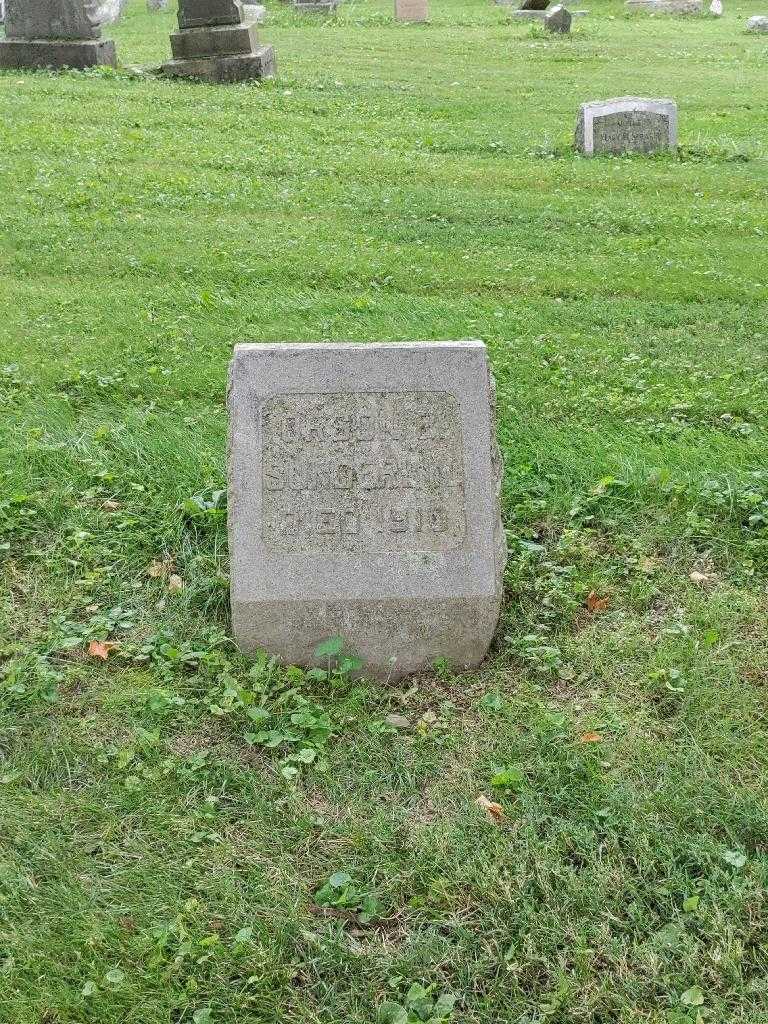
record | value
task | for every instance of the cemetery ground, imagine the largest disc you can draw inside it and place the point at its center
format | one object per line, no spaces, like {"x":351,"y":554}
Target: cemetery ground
{"x":188,"y":835}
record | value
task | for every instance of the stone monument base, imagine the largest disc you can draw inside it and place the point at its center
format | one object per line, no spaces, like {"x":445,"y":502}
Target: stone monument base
{"x":541,"y":15}
{"x":240,"y":67}
{"x":57,"y":53}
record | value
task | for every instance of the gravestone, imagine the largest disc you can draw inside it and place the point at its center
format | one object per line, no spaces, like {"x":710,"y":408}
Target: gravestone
{"x":254,"y":12}
{"x":534,"y":5}
{"x":364,"y":502}
{"x":157,"y":5}
{"x":627,"y":124}
{"x":665,"y":6}
{"x":316,"y":6}
{"x":411,"y":10}
{"x":215,"y":44}
{"x":54,"y":34}
{"x":109,"y":11}
{"x":557,"y":19}
{"x":758,"y":23}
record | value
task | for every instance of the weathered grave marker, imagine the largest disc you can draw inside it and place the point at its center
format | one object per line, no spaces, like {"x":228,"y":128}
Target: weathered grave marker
{"x":54,"y":34}
{"x":758,"y":23}
{"x":363,"y":502}
{"x":665,"y":6}
{"x":627,"y":124}
{"x":316,"y":6}
{"x":215,"y":44}
{"x":411,"y":10}
{"x":557,"y":19}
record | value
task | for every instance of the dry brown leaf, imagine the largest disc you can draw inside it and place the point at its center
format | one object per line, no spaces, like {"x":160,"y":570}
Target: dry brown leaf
{"x":155,"y":570}
{"x":494,"y":811}
{"x":595,"y":603}
{"x":590,"y":737}
{"x":110,"y":505}
{"x":175,"y":583}
{"x":101,"y":648}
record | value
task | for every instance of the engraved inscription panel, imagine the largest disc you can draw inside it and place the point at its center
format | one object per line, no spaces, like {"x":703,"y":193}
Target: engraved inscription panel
{"x":367,"y":472}
{"x":638,"y":131}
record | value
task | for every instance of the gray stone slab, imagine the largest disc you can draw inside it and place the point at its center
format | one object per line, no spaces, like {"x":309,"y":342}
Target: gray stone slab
{"x":411,"y":10}
{"x":213,"y":41}
{"x":259,"y":64}
{"x":196,"y":13}
{"x":316,"y":6}
{"x":534,"y":5}
{"x":157,"y":5}
{"x":557,"y":19}
{"x":107,"y":12}
{"x":626,"y":124}
{"x":364,"y":502}
{"x":254,"y":13}
{"x":52,"y":19}
{"x":57,"y":54}
{"x":758,"y":23}
{"x":665,"y":6}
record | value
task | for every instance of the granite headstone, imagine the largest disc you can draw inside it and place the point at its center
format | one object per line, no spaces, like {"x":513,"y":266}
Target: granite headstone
{"x":557,"y":19}
{"x":626,"y":124}
{"x":411,"y":10}
{"x":54,"y":34}
{"x":216,"y":44}
{"x":364,"y":502}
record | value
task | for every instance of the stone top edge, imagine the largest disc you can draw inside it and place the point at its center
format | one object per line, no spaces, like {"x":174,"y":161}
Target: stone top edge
{"x":336,"y":346}
{"x":628,"y":99}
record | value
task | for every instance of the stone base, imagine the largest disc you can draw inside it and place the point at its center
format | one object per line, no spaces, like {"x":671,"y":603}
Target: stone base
{"x":665,"y":6}
{"x":243,"y":67}
{"x":393,"y":638}
{"x":57,"y":53}
{"x":213,"y":41}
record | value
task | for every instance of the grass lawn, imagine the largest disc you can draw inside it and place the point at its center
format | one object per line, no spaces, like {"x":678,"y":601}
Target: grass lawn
{"x":162,"y":860}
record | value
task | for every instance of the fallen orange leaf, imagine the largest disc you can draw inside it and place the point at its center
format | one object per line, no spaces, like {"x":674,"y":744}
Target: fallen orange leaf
{"x":590,"y":737}
{"x":595,"y":603}
{"x":101,"y":648}
{"x":494,"y":811}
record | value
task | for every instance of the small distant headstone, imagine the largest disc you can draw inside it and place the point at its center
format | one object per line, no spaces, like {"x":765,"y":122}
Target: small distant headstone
{"x":665,"y":6}
{"x":316,"y":6}
{"x":627,"y":124}
{"x":716,"y":8}
{"x":54,"y":34}
{"x":758,"y":23}
{"x":534,"y":5}
{"x":254,"y":13}
{"x":109,"y":11}
{"x":157,"y":5}
{"x":364,"y":502}
{"x":411,"y":10}
{"x":215,"y":44}
{"x":557,"y":19}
